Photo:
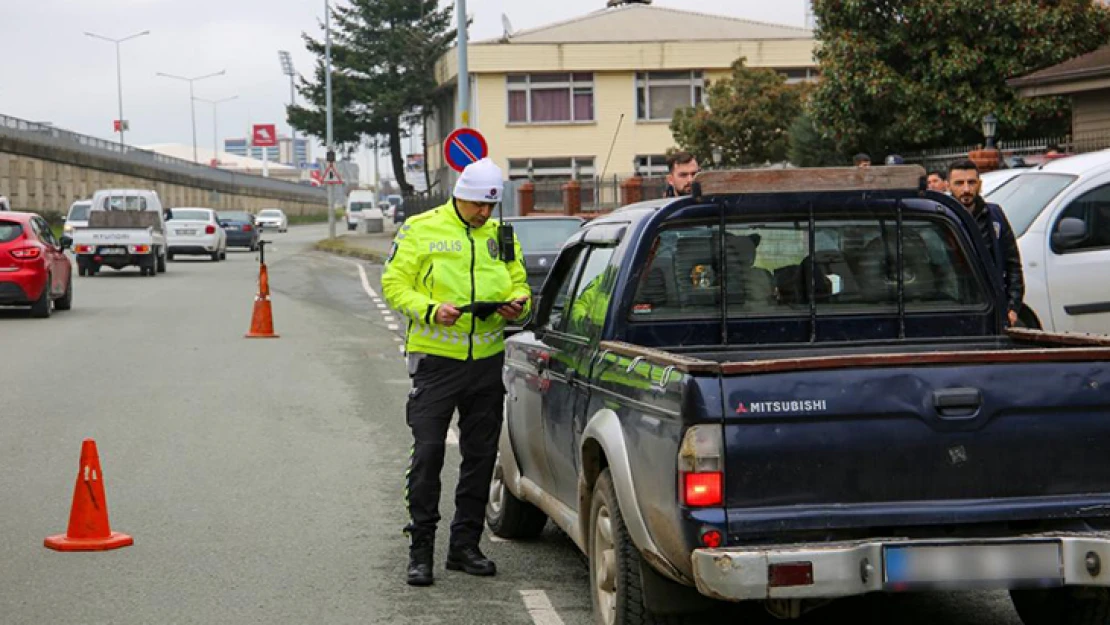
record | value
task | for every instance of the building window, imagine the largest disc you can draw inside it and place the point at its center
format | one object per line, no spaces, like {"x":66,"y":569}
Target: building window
{"x":551,"y":168}
{"x":655,"y":165}
{"x":799,"y":74}
{"x":660,"y":94}
{"x":550,"y":98}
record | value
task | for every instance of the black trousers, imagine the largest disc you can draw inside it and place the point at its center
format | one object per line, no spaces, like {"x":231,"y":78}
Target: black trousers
{"x":439,"y":387}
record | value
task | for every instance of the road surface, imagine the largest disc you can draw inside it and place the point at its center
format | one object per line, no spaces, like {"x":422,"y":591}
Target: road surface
{"x":261,"y":479}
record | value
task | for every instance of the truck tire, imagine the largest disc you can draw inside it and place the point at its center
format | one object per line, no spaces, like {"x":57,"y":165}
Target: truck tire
{"x":82,"y":270}
{"x":43,"y":306}
{"x":161,"y":263}
{"x":509,"y":517}
{"x":1062,"y":606}
{"x":65,"y":302}
{"x":615,"y":585}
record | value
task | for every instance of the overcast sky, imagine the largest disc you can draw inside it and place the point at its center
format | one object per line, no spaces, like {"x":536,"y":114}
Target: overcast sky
{"x":53,"y":72}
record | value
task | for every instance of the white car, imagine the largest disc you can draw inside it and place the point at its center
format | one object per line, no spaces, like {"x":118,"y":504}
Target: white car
{"x":77,"y":217}
{"x":273,"y":219}
{"x":1060,"y":212}
{"x":195,"y":232}
{"x":994,"y":179}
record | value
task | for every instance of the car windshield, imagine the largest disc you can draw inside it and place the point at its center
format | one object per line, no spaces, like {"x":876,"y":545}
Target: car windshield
{"x":189,"y":215}
{"x":359,"y":206}
{"x":270,"y":213}
{"x":394,"y":200}
{"x":79,"y":212}
{"x":537,"y":236}
{"x":124,"y":203}
{"x":234,"y":217}
{"x":9,"y":231}
{"x":1024,"y":197}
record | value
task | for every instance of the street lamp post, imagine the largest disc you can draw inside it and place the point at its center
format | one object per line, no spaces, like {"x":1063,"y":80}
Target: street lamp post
{"x":192,"y":100}
{"x":288,"y":70}
{"x":718,"y":156}
{"x":119,"y":74}
{"x":990,"y":129}
{"x":330,"y":148}
{"x":215,"y":128}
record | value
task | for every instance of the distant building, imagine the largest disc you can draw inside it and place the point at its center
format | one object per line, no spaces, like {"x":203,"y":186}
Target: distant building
{"x":287,"y":152}
{"x":550,"y":100}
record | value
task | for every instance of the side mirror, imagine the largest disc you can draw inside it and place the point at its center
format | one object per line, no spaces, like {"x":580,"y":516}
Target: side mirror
{"x":1069,"y":233}
{"x":67,"y":242}
{"x":64,"y":219}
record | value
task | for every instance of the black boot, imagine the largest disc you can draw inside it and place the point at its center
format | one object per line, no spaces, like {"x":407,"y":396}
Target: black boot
{"x":420,"y":561}
{"x":470,"y":559}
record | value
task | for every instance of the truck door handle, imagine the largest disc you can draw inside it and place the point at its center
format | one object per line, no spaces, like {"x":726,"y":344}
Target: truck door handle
{"x":957,"y":403}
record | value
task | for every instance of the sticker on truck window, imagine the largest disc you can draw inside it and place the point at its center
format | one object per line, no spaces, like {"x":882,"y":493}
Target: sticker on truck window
{"x":780,"y":407}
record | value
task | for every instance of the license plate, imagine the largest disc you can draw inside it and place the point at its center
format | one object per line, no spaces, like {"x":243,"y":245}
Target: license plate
{"x":111,"y":251}
{"x":186,"y":233}
{"x":233,"y":227}
{"x":962,"y":565}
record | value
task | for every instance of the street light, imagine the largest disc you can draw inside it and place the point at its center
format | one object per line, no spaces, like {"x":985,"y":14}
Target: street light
{"x":718,"y":156}
{"x":215,"y":133}
{"x":990,"y":127}
{"x":192,"y":99}
{"x":119,"y":74}
{"x":287,"y":69}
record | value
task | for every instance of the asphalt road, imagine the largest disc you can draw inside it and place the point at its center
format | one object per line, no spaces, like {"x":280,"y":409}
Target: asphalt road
{"x":261,"y":479}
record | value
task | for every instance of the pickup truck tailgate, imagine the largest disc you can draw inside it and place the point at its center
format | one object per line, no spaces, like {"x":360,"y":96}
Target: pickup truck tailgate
{"x":900,"y":445}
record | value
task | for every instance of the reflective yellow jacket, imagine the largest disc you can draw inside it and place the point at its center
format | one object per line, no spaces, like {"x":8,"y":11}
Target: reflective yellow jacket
{"x":437,"y":258}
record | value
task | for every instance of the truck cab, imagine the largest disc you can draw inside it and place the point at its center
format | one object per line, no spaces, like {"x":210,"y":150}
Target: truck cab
{"x":796,"y":386}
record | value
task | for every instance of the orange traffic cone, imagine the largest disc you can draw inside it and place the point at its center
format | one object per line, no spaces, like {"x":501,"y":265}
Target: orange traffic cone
{"x":262,"y":323}
{"x":88,"y":516}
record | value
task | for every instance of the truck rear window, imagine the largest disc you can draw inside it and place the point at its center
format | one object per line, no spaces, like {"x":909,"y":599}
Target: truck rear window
{"x":9,"y":231}
{"x":768,"y":268}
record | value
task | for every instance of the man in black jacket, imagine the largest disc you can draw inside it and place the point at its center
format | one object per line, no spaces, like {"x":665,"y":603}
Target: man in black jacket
{"x":964,"y":185}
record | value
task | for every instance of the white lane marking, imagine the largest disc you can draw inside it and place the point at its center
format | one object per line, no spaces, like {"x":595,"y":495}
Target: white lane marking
{"x":397,"y":339}
{"x":393,"y":326}
{"x":540,"y":608}
{"x":366,"y":282}
{"x":401,"y":348}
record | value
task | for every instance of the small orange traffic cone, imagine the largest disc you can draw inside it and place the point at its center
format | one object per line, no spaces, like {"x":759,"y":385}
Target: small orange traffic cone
{"x":262,"y":323}
{"x":88,"y":516}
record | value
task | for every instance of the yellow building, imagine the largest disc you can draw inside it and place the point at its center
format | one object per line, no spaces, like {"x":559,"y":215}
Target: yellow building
{"x":554,"y":100}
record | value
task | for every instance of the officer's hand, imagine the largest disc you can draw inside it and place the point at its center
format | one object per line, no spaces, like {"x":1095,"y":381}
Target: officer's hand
{"x":513,"y":311}
{"x":1013,"y":318}
{"x":447,"y":314}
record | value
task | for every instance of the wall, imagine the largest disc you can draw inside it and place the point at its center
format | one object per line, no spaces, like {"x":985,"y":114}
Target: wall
{"x":1091,"y":113}
{"x":44,"y":170}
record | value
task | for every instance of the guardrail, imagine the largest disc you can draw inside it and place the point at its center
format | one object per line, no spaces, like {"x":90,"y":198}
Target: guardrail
{"x":47,"y":135}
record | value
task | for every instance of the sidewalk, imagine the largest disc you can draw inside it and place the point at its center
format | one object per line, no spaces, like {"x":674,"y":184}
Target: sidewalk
{"x":371,"y":247}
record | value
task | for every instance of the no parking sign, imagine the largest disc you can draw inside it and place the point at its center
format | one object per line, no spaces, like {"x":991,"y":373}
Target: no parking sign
{"x":463,"y":147}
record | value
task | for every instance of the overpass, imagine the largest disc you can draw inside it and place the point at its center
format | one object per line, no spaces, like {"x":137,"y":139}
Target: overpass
{"x":44,"y":169}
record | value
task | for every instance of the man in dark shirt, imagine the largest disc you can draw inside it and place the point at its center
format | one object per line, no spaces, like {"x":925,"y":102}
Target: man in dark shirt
{"x":964,"y":185}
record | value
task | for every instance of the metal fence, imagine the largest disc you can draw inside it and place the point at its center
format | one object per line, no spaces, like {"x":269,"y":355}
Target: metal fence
{"x":50,"y":136}
{"x":1029,"y":150}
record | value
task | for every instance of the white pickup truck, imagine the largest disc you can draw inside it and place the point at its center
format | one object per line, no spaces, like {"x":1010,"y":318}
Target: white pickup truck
{"x":126,"y":229}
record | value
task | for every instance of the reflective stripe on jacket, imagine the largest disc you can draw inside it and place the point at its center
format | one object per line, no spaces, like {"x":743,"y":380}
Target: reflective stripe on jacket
{"x":437,"y":258}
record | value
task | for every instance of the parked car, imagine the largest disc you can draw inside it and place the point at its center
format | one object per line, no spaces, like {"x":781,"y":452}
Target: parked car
{"x":240,"y":229}
{"x":359,"y":203}
{"x":126,"y":229}
{"x":994,"y":179}
{"x":273,"y":218}
{"x":77,"y":217}
{"x":34,"y":269}
{"x":398,"y":204}
{"x":196,"y":232}
{"x":771,"y":395}
{"x":540,"y":238}
{"x":1060,"y":212}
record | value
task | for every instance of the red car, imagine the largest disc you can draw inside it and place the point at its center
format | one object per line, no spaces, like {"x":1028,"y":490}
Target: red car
{"x":34,"y":270}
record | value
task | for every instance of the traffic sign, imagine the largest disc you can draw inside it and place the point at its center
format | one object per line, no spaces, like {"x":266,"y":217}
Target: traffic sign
{"x":264,"y":136}
{"x":331,"y":175}
{"x":463,"y":147}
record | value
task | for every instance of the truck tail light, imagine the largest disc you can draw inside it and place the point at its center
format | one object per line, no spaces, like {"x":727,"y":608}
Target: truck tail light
{"x":711,"y":538}
{"x":83,"y":249}
{"x":140,"y":249}
{"x":790,"y":574}
{"x":210,"y":230}
{"x":701,"y":490}
{"x":26,"y":253}
{"x":701,"y":467}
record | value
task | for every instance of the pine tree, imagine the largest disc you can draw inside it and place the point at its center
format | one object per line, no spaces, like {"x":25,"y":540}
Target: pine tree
{"x":383,"y":73}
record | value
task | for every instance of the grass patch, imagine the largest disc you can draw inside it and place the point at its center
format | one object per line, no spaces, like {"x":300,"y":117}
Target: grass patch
{"x":340,"y":247}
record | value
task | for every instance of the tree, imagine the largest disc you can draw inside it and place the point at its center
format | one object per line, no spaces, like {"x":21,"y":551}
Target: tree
{"x":809,"y":148}
{"x":911,"y":74}
{"x":747,"y":117}
{"x":383,"y":73}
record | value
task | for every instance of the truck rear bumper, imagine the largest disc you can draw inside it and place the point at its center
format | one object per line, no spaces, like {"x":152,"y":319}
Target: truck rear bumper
{"x":845,"y":569}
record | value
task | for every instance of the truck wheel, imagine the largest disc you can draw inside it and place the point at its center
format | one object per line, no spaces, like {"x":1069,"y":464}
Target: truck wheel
{"x":169,"y":257}
{"x":65,"y":302}
{"x":615,"y":584}
{"x":1062,"y":606}
{"x":43,"y":306}
{"x":509,"y":517}
{"x":160,"y":263}
{"x":81,"y":270}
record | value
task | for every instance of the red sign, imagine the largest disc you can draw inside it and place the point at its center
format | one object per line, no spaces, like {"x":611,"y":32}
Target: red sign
{"x":463,"y":147}
{"x":264,"y":136}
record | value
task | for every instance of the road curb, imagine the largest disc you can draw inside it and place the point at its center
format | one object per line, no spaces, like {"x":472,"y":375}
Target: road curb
{"x":340,"y":247}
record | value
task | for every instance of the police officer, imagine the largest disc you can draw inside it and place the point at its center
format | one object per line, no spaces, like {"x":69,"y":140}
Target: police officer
{"x":441,"y":262}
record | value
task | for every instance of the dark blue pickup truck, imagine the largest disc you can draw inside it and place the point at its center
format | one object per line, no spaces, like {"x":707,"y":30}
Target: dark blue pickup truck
{"x":797,"y":385}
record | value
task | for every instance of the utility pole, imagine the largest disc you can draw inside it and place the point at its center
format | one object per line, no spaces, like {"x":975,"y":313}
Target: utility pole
{"x":288,"y":70}
{"x":327,"y":87}
{"x":192,"y":101}
{"x":464,"y":66}
{"x":119,"y":75}
{"x":215,"y":127}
